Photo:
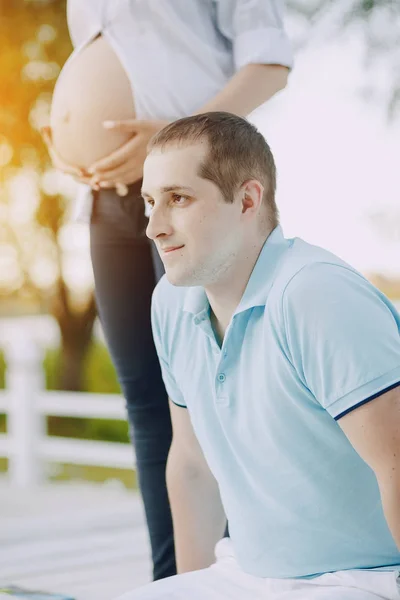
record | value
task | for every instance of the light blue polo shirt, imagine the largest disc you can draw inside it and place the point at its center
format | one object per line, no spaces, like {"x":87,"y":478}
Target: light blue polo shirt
{"x":310,"y":340}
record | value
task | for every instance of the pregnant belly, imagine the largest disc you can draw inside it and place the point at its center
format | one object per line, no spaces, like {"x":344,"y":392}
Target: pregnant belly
{"x":91,"y":88}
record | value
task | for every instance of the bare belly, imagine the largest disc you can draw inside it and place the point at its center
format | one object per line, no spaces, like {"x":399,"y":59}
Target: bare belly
{"x":90,"y":89}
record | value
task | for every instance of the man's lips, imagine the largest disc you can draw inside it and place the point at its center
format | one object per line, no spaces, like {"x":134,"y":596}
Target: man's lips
{"x":170,"y":249}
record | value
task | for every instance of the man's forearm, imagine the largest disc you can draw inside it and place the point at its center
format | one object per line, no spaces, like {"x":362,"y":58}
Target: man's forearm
{"x":198,"y":517}
{"x":390,"y":495}
{"x":250,"y":87}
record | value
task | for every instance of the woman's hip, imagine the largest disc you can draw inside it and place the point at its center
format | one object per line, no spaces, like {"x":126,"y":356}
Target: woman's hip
{"x":120,"y":217}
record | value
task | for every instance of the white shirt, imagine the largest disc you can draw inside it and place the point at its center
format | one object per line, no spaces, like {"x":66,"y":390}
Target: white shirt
{"x":178,"y":54}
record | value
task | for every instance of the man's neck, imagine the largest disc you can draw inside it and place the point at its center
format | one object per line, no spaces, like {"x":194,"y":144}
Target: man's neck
{"x":225,"y":296}
{"x":218,"y":328}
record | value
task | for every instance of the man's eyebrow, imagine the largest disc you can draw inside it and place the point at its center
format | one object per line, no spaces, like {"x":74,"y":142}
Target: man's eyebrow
{"x":169,"y":188}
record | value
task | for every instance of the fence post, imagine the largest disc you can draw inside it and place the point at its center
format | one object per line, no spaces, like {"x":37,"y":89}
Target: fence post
{"x":25,"y":425}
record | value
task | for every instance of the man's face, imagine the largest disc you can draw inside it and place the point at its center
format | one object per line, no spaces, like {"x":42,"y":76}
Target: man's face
{"x":197,"y":233}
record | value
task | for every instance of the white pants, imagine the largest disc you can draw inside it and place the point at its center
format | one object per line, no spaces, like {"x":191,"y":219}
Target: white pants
{"x":225,"y":580}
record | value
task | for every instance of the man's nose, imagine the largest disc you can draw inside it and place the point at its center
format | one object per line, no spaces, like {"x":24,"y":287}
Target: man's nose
{"x":158,"y":224}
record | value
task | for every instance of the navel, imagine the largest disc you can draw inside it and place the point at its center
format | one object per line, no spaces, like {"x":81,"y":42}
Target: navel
{"x":65,"y":118}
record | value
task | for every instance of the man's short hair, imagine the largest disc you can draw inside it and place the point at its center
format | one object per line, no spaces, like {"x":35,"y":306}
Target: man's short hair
{"x":237,"y":152}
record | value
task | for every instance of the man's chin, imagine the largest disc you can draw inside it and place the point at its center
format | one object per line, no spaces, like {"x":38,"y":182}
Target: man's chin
{"x":178,"y":279}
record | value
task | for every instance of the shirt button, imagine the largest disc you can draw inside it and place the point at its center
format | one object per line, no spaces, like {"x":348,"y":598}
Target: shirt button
{"x":221,"y":377}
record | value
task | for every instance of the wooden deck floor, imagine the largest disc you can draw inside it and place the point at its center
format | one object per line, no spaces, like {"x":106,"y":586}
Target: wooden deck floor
{"x":88,"y":541}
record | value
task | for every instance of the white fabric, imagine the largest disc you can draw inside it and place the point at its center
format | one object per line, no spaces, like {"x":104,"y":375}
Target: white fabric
{"x":178,"y":54}
{"x":226,"y":581}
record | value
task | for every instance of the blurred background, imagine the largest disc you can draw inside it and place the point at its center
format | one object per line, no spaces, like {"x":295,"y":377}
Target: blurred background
{"x":335,"y":133}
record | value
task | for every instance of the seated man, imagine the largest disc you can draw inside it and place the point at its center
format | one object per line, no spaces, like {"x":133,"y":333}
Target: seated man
{"x":285,"y":361}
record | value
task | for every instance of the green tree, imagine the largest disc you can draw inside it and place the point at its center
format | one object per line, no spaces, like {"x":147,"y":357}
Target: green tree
{"x":34,"y":44}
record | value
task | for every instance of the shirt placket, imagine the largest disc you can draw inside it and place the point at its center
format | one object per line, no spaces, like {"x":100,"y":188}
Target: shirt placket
{"x":223,"y":375}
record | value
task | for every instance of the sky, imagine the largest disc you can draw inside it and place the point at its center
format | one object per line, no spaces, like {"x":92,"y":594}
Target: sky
{"x":337,"y":159}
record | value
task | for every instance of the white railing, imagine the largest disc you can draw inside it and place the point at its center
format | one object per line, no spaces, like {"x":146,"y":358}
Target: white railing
{"x":26,"y":404}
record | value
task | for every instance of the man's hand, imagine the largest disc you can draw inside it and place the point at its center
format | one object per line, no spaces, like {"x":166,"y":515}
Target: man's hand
{"x":125,"y":165}
{"x":58,"y":163}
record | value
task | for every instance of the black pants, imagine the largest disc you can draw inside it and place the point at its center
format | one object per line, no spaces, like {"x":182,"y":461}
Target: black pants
{"x":126,"y":268}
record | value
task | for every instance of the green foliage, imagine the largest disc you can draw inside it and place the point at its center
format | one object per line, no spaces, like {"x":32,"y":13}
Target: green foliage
{"x":2,"y":370}
{"x":99,"y":372}
{"x":2,"y":385}
{"x":99,"y":375}
{"x":34,"y":45}
{"x":100,"y":378}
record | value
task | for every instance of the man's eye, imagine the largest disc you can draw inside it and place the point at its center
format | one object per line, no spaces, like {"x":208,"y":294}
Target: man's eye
{"x":149,"y":202}
{"x":178,"y":198}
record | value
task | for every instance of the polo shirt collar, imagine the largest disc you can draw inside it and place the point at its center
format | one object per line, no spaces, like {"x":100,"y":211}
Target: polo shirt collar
{"x":259,"y":284}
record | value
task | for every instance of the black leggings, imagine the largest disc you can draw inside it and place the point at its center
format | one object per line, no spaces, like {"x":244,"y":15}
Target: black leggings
{"x":126,"y":268}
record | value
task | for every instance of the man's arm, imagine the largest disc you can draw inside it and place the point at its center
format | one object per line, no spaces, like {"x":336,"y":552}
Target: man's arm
{"x":373,"y":429}
{"x":198,"y":517}
{"x":343,"y":339}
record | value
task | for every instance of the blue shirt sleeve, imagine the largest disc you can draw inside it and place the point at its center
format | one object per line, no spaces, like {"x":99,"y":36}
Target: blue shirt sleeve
{"x":160,"y":340}
{"x":343,"y":336}
{"x":255,"y":28}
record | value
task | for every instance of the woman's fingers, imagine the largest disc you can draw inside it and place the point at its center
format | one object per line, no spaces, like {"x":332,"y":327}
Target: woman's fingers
{"x":46,"y":135}
{"x":134,"y":148}
{"x":114,"y":160}
{"x":130,"y":170}
{"x":130,"y":174}
{"x":127,"y":126}
{"x":60,"y":164}
{"x":126,"y":173}
{"x":102,"y":185}
{"x":121,"y":189}
{"x":85,"y":180}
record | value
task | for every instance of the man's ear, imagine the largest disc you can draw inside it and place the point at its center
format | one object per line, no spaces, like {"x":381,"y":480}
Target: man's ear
{"x":252,"y":192}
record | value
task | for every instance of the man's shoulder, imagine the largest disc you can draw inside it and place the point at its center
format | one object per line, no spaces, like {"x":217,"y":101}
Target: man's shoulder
{"x":306,"y":267}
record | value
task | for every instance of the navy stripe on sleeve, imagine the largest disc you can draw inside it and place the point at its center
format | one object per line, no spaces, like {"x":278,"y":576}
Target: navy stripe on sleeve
{"x":391,"y":387}
{"x":176,"y":404}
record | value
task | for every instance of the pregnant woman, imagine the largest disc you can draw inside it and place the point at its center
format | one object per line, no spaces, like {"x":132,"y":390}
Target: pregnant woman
{"x":136,"y":65}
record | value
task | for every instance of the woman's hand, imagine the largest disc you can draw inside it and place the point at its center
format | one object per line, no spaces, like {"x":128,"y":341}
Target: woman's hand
{"x":125,"y":165}
{"x":77,"y":173}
